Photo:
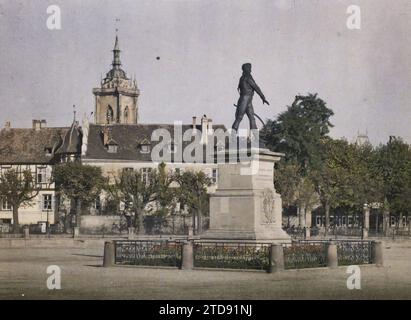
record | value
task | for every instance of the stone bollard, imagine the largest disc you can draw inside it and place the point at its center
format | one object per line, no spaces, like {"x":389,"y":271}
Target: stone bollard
{"x":190,"y":233}
{"x":276,"y":258}
{"x":130,"y":233}
{"x":332,"y":258}
{"x":26,"y":231}
{"x":187,"y":256}
{"x":109,"y":254}
{"x":76,"y":232}
{"x":377,"y":253}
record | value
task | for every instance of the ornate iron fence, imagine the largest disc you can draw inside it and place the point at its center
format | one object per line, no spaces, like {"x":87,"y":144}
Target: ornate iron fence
{"x":354,"y":252}
{"x":304,"y":254}
{"x":148,"y":252}
{"x":238,"y":255}
{"x":348,"y":251}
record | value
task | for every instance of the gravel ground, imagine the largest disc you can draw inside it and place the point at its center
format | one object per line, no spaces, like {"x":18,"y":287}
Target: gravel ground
{"x":23,"y":276}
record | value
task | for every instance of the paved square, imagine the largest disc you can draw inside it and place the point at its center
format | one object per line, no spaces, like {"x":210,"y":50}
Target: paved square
{"x":23,"y":276}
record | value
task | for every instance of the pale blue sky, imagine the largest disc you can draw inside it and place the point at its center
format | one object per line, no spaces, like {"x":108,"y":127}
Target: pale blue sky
{"x":295,"y":46}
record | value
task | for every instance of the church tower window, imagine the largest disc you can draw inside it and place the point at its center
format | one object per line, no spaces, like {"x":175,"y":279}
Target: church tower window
{"x":126,"y":115}
{"x":109,"y":114}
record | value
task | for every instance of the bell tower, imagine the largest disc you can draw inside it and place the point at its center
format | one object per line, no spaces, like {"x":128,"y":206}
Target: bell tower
{"x":116,"y":99}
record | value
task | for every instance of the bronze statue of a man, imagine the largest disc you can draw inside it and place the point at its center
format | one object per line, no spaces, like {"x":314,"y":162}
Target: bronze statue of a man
{"x":246,"y":88}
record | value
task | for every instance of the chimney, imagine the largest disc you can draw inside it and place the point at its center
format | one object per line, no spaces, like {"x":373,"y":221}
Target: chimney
{"x":7,"y":125}
{"x":204,"y":134}
{"x":39,"y":124}
{"x":194,"y":122}
{"x":36,"y":124}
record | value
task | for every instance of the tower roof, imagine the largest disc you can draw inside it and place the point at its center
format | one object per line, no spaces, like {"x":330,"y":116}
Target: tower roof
{"x":116,"y":79}
{"x":72,"y":140}
{"x":116,"y":71}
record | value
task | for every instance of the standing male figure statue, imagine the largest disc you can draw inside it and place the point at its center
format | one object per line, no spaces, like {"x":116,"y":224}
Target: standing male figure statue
{"x":246,"y":88}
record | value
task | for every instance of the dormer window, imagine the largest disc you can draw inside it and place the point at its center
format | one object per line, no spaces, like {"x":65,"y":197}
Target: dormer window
{"x":48,"y":151}
{"x":144,"y":145}
{"x":145,"y":148}
{"x":112,"y":148}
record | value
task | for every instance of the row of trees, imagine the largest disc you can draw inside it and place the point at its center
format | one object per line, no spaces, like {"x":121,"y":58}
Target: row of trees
{"x":157,"y":191}
{"x":333,"y":172}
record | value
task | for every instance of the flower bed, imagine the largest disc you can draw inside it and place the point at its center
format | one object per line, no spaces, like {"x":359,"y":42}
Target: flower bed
{"x":307,"y":255}
{"x":231,"y":255}
{"x":149,"y":253}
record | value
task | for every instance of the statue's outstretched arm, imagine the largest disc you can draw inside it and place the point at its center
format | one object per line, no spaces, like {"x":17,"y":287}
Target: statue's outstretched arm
{"x":257,"y":89}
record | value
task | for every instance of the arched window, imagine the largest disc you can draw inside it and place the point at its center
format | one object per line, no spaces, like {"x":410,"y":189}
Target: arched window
{"x":109,"y":114}
{"x":126,"y":114}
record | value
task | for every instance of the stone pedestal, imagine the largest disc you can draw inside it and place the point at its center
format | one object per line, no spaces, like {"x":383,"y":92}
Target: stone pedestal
{"x":245,"y":205}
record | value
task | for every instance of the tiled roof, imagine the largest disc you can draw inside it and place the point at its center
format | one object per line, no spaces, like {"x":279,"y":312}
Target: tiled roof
{"x":129,"y":138}
{"x":29,"y":145}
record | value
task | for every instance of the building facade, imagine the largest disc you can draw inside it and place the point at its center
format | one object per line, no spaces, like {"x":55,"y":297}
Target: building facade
{"x":115,"y":141}
{"x":37,"y":149}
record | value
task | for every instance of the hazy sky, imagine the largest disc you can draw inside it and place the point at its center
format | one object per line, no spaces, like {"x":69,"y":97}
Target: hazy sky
{"x":295,"y":46}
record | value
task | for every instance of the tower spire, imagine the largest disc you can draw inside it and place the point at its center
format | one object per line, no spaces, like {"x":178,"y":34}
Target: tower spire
{"x":74,"y":113}
{"x":116,"y":55}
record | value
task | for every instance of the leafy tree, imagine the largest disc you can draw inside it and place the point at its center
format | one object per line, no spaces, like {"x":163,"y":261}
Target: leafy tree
{"x":393,"y":162}
{"x":306,"y":195}
{"x":165,"y":193}
{"x":192,"y":193}
{"x":286,"y":180}
{"x":140,"y":190}
{"x":300,"y":131}
{"x":80,"y":183}
{"x":349,"y":178}
{"x":18,"y":188}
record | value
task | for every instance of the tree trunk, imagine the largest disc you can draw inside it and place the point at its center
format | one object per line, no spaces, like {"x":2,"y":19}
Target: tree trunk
{"x":139,"y":222}
{"x":16,"y":222}
{"x":327,"y":217}
{"x":199,"y":222}
{"x":78,"y":212}
{"x":385,"y":225}
{"x":400,"y":227}
{"x":194,"y":222}
{"x":308,"y":217}
{"x":199,"y":219}
{"x":301,"y":216}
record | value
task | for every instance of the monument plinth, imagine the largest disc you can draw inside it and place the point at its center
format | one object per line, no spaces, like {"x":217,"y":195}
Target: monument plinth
{"x":245,"y":205}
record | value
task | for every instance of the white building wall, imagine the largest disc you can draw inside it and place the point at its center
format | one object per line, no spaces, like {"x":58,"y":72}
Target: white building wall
{"x":34,"y":212}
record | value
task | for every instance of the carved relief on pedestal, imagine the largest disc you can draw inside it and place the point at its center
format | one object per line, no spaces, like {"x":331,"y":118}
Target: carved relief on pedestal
{"x":268,"y":206}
